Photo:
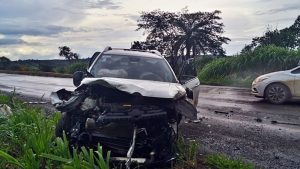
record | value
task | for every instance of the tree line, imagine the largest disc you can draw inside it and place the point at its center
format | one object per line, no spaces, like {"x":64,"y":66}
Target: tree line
{"x":288,"y":38}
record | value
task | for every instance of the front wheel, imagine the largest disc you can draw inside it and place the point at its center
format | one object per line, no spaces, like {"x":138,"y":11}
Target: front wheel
{"x":63,"y":125}
{"x":277,"y":93}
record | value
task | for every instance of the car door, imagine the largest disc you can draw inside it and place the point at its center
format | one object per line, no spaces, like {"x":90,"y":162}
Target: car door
{"x":296,"y":74}
{"x":188,"y":78}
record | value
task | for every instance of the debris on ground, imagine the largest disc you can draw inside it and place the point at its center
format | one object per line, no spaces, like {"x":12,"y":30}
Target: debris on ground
{"x":259,"y":120}
{"x":5,"y":110}
{"x":280,"y":122}
{"x":221,"y":112}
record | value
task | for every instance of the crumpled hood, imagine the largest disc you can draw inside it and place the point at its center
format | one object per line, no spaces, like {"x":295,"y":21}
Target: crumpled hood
{"x":146,"y":88}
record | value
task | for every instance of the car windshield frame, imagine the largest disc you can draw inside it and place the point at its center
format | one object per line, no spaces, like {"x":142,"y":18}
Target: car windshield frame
{"x":162,"y":63}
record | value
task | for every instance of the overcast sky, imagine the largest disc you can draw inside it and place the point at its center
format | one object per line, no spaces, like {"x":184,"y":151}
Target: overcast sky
{"x":33,"y":29}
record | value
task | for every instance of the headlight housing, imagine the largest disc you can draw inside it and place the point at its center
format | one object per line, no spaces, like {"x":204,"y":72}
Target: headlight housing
{"x":260,"y":79}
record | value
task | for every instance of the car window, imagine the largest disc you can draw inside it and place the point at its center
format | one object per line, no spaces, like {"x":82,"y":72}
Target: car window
{"x":132,"y":67}
{"x":296,"y":71}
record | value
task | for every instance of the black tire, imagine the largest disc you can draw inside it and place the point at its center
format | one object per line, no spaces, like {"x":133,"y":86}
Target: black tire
{"x":277,"y":93}
{"x":62,"y":125}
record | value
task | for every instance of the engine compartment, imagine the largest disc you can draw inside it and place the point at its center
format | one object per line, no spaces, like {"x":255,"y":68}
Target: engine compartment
{"x":133,"y":127}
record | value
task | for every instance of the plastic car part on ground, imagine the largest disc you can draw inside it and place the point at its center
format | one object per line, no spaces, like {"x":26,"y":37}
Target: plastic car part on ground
{"x":5,"y":110}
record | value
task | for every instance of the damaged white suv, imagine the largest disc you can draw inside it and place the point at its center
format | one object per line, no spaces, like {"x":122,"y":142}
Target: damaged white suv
{"x":131,"y":103}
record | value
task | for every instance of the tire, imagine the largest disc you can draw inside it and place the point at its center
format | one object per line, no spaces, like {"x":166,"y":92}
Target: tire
{"x":62,"y":125}
{"x":277,"y":93}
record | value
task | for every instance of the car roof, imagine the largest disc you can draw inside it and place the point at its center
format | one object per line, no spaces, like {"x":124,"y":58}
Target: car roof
{"x":127,"y":52}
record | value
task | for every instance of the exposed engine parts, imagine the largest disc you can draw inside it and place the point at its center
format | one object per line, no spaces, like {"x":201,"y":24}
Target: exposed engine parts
{"x":135,"y":128}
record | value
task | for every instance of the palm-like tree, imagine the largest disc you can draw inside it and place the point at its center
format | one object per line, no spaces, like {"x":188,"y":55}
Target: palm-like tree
{"x":198,"y":32}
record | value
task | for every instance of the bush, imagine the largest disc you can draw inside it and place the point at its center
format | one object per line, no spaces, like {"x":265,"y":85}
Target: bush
{"x":200,"y":63}
{"x":45,"y":68}
{"x":60,"y":70}
{"x":245,"y":67}
{"x":79,"y":66}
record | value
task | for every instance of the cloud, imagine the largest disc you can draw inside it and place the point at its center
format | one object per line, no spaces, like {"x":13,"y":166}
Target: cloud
{"x":93,"y":29}
{"x":291,"y":7}
{"x":15,"y":41}
{"x":129,"y":16}
{"x":12,"y":29}
{"x":102,"y":4}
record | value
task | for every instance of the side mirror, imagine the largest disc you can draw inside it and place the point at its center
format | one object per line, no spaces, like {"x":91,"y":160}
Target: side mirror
{"x":77,"y":78}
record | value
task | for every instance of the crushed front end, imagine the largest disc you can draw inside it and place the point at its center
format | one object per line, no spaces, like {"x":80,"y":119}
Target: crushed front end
{"x":133,"y":127}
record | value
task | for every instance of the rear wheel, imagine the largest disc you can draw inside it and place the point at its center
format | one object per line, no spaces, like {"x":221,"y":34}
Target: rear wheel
{"x":277,"y":93}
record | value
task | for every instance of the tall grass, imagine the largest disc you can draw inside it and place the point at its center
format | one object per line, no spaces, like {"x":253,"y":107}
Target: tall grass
{"x":71,"y":68}
{"x":245,"y":67}
{"x":27,"y":141}
{"x":187,"y":151}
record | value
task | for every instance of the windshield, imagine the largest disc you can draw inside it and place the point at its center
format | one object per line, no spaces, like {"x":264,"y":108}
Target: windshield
{"x":133,"y":67}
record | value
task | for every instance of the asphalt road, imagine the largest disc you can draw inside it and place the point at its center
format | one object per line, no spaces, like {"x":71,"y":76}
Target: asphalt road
{"x":233,"y":122}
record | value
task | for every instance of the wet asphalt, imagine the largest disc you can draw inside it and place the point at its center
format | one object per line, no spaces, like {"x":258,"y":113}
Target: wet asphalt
{"x":235,"y":123}
{"x":232,"y":121}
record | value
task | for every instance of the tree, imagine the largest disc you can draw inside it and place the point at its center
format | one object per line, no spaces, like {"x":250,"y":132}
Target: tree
{"x":288,"y":38}
{"x":65,"y":51}
{"x":142,"y":45}
{"x":4,"y":59}
{"x":184,"y":32}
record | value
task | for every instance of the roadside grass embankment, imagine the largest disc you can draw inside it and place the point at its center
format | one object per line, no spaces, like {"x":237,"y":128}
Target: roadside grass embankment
{"x":27,"y":141}
{"x":241,"y":70}
{"x":65,"y":71}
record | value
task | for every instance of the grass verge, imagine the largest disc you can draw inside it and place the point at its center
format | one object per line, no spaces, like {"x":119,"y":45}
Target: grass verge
{"x":223,"y":162}
{"x":188,"y":157}
{"x":242,"y":69}
{"x":27,"y":141}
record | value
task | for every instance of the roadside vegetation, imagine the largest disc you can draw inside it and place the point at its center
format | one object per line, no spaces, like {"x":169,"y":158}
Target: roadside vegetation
{"x":50,"y":66}
{"x":27,"y":142}
{"x":274,"y":51}
{"x":222,"y":162}
{"x":242,"y":69}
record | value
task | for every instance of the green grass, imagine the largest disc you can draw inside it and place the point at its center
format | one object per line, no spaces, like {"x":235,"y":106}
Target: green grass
{"x":27,"y":141}
{"x":223,"y":162}
{"x":242,"y":69}
{"x":187,"y":151}
{"x":70,"y":69}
